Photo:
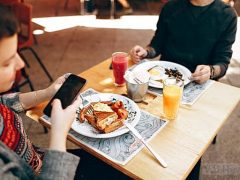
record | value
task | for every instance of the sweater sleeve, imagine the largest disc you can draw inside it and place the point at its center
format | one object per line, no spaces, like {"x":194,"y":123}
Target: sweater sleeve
{"x":222,"y":52}
{"x":12,"y":101}
{"x":58,"y":165}
{"x":156,"y":45}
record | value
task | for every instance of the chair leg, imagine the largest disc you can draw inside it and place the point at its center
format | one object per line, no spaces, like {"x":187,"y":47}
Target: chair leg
{"x":23,"y":58}
{"x":214,"y":140}
{"x":82,"y":10}
{"x":45,"y":130}
{"x":112,"y":11}
{"x":57,"y":7}
{"x":195,"y":173}
{"x":148,"y":7}
{"x":40,"y":62}
{"x":17,"y":87}
{"x":35,"y":39}
{"x":25,"y":75}
{"x":66,"y":4}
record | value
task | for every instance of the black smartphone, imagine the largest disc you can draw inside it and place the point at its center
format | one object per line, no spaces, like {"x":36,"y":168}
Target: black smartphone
{"x":67,"y":92}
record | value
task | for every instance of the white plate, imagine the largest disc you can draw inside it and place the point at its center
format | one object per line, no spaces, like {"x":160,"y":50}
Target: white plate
{"x":133,"y":116}
{"x":165,"y":64}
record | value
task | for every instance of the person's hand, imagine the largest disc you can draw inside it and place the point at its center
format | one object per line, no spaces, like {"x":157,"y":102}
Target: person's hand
{"x":61,"y":120}
{"x":53,"y":88}
{"x":138,"y":53}
{"x":201,"y":74}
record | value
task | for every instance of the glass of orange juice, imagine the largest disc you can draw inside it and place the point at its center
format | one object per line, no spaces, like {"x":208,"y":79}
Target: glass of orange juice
{"x":172,"y":95}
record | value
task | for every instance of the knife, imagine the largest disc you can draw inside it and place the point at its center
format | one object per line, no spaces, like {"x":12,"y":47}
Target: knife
{"x":136,"y":133}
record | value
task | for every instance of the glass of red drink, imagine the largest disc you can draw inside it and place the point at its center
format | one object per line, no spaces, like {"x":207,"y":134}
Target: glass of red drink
{"x":119,"y":65}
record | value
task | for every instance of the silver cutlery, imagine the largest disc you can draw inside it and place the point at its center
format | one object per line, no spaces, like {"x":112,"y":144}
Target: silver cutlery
{"x":84,"y":101}
{"x":135,"y":78}
{"x":136,"y":133}
{"x":157,"y":66}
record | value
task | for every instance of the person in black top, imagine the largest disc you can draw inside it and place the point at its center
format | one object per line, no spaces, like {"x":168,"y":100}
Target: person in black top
{"x":197,"y":34}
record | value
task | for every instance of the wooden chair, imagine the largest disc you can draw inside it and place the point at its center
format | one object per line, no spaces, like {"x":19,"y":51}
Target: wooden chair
{"x":22,"y":79}
{"x":23,"y":13}
{"x":9,"y":2}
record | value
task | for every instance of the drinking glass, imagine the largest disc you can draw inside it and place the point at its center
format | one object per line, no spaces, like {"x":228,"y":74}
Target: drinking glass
{"x":172,"y":95}
{"x":137,"y":85}
{"x":119,"y":65}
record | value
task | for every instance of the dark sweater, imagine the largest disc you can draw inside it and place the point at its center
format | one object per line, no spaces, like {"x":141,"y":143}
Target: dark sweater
{"x":191,"y":40}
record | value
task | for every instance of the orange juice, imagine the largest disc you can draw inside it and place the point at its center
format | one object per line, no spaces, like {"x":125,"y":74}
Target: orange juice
{"x":172,"y":94}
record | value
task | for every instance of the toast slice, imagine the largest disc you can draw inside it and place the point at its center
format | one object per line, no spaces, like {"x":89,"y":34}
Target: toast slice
{"x":115,"y":125}
{"x":104,"y":118}
{"x":91,"y":119}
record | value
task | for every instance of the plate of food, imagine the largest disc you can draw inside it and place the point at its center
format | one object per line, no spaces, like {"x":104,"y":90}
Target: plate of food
{"x":160,"y":70}
{"x":104,"y":115}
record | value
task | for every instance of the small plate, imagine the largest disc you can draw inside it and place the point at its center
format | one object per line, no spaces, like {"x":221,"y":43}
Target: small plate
{"x":88,"y":130}
{"x":155,"y":80}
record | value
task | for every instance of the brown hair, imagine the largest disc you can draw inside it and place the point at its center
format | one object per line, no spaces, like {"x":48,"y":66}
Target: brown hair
{"x":8,"y":22}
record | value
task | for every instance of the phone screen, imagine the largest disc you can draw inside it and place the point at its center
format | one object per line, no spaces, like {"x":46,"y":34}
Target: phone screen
{"x":67,"y":92}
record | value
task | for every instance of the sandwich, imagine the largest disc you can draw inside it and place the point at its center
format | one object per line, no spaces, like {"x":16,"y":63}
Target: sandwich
{"x":105,"y":117}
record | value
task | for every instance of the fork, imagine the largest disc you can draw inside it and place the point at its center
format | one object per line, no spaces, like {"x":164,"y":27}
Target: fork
{"x":90,"y":110}
{"x":156,"y":66}
{"x":84,"y":101}
{"x":135,"y":78}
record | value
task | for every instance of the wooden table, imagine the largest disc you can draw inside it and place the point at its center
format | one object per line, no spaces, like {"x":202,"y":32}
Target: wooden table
{"x":182,"y":142}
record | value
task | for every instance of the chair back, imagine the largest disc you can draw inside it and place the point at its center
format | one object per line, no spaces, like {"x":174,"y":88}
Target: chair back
{"x":8,"y":2}
{"x":23,"y":13}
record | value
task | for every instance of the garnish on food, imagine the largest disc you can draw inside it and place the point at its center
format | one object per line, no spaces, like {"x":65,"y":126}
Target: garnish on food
{"x":174,"y":73}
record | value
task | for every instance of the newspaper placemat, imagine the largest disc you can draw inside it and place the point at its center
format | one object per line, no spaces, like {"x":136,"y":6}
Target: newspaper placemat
{"x":123,"y":148}
{"x":191,"y":92}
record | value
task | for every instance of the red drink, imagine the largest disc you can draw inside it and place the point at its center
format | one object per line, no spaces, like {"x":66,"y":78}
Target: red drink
{"x":120,"y":65}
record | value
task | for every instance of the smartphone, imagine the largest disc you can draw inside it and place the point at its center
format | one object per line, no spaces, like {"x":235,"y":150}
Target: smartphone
{"x":67,"y":92}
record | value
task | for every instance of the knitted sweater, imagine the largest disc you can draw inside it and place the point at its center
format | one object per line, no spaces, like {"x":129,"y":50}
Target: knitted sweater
{"x":12,"y":132}
{"x":56,"y":166}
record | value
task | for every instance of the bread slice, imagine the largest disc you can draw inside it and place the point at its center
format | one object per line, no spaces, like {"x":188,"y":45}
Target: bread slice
{"x":91,"y":119}
{"x":115,"y":125}
{"x":104,"y":118}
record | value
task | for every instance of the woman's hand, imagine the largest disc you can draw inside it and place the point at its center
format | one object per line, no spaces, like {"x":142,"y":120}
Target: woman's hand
{"x":61,"y":120}
{"x":201,"y":74}
{"x":137,"y":53}
{"x":53,"y":88}
{"x":34,"y":98}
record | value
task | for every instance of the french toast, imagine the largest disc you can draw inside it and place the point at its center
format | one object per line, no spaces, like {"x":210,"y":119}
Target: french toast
{"x":104,"y":116}
{"x":104,"y":119}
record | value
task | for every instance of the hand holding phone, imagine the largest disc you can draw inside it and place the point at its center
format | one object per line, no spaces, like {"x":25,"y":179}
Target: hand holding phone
{"x":67,"y":92}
